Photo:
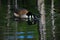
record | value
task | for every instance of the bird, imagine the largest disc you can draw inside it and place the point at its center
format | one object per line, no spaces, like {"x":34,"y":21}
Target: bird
{"x":25,"y":15}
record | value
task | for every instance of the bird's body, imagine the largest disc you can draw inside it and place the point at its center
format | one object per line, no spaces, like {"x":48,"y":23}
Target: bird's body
{"x":25,"y":15}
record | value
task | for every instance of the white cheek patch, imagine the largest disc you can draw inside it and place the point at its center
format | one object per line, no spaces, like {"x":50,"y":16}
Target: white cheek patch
{"x":16,"y":15}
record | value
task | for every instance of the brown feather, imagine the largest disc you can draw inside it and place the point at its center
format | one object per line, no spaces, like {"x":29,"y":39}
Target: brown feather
{"x":23,"y":12}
